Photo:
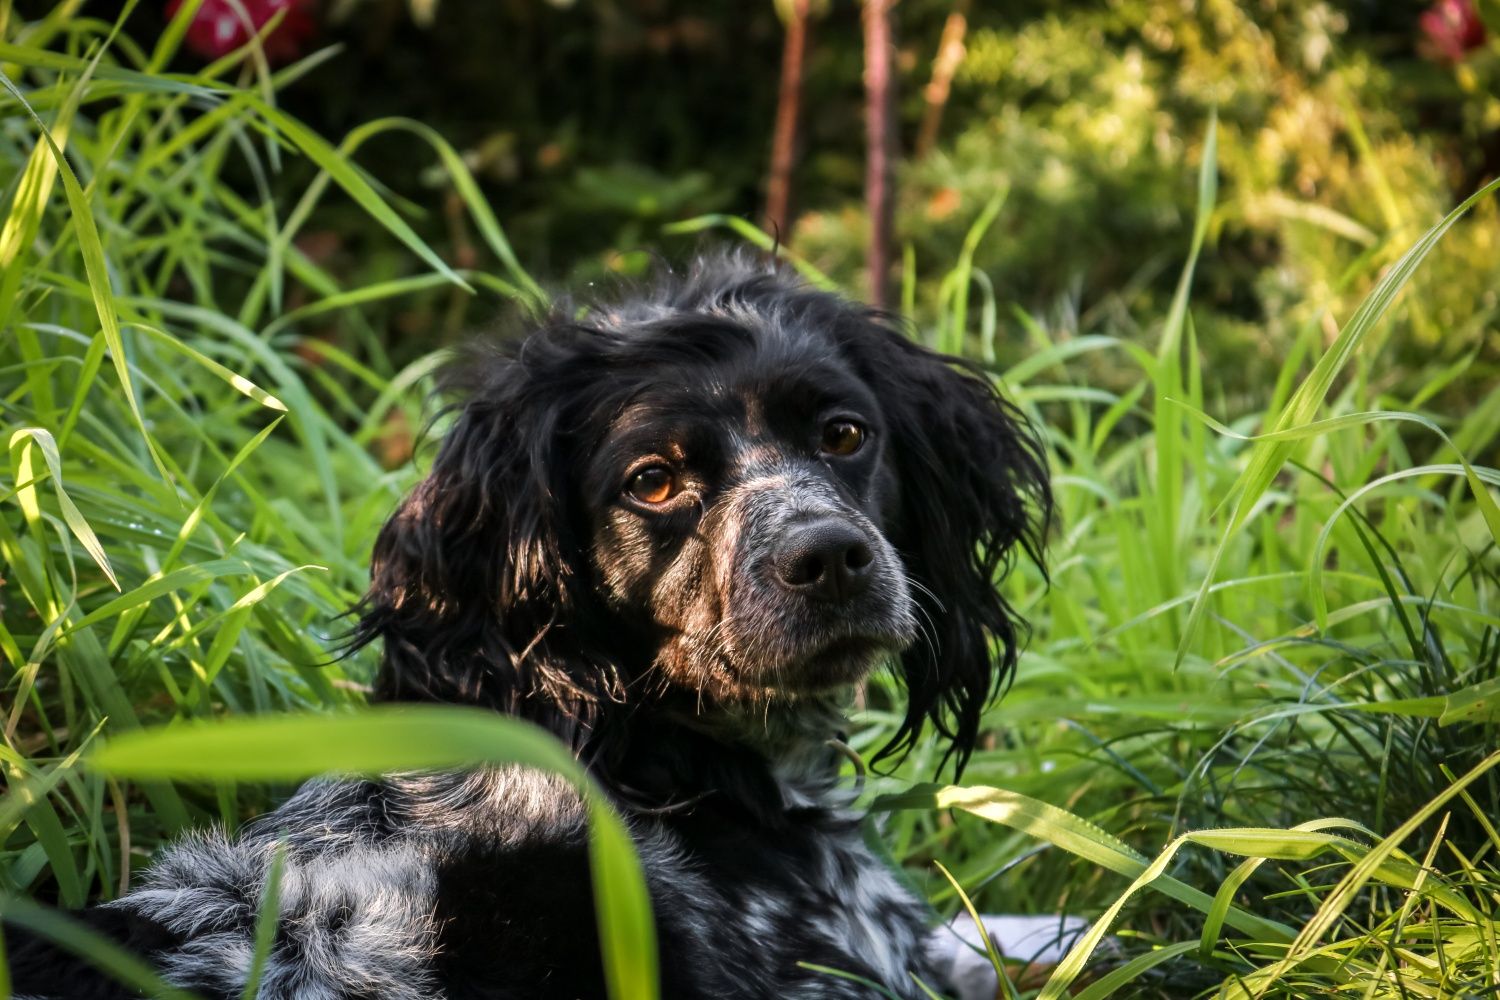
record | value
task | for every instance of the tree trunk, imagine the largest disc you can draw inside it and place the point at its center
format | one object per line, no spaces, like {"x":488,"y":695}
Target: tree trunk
{"x":785,"y":139}
{"x":880,"y":143}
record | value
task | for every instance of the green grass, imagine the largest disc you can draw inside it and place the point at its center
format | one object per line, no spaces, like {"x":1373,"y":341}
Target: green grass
{"x":186,"y":525}
{"x":1252,"y":732}
{"x":1271,"y":638}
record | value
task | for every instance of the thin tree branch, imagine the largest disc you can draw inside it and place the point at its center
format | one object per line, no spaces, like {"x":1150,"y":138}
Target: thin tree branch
{"x":945,"y":64}
{"x":784,"y":142}
{"x":880,"y":143}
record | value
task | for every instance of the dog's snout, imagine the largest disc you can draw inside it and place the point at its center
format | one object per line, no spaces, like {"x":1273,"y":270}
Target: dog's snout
{"x":827,"y":560}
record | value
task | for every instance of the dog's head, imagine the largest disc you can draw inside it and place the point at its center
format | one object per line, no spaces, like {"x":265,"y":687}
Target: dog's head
{"x":730,"y":487}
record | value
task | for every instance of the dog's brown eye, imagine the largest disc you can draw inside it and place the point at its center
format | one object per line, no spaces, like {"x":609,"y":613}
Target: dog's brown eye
{"x":842,"y":437}
{"x":653,"y":484}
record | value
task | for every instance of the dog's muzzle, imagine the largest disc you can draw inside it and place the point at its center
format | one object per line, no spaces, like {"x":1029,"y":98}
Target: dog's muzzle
{"x":819,"y":594}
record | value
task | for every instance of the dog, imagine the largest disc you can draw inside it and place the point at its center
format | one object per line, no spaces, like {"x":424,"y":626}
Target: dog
{"x":675,"y":529}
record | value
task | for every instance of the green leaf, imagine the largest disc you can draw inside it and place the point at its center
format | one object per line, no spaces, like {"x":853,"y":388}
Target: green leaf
{"x":1071,"y":833}
{"x":1482,"y":499}
{"x":152,"y":589}
{"x":97,"y":270}
{"x":21,"y":443}
{"x":1337,"y":901}
{"x":89,"y":945}
{"x":1475,"y":703}
{"x":755,"y":236}
{"x":1477,"y":477}
{"x":353,"y":182}
{"x":236,"y":381}
{"x":1108,"y":984}
{"x":265,"y":923}
{"x":47,"y":827}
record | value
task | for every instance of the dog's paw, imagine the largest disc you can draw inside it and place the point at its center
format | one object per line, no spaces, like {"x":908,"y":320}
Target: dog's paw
{"x":957,"y":950}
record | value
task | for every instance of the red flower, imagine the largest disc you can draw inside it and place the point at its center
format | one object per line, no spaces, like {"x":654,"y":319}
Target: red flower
{"x":221,"y":26}
{"x":1449,"y":29}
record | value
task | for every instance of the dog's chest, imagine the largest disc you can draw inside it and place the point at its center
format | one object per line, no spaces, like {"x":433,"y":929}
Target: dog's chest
{"x":765,"y":905}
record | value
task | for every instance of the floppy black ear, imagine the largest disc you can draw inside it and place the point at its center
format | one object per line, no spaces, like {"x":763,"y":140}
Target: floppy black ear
{"x":475,"y":574}
{"x":973,"y":489}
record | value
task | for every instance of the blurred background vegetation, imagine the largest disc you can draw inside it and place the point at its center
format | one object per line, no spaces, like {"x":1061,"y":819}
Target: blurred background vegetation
{"x":590,"y":125}
{"x":216,"y":330}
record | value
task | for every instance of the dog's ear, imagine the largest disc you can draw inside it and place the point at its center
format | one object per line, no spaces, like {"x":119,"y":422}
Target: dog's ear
{"x":972,"y":479}
{"x":476,"y":572}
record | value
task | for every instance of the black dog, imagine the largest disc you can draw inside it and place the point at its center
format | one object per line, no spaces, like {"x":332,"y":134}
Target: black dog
{"x":674,"y":530}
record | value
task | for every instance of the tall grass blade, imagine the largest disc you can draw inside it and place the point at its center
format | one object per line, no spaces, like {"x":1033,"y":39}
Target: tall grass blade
{"x":21,"y":444}
{"x":89,"y":945}
{"x":265,"y":923}
{"x":1071,"y":833}
{"x":1270,"y":456}
{"x":97,"y":270}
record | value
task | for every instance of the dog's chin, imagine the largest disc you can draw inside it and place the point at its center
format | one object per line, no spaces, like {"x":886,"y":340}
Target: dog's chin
{"x":815,"y":669}
{"x":836,"y":664}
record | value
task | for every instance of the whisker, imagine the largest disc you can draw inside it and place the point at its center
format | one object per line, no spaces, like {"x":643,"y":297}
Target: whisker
{"x":918,"y":585}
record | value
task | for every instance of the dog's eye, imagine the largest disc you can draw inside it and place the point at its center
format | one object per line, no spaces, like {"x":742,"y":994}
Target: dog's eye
{"x":842,"y":437}
{"x":653,"y":484}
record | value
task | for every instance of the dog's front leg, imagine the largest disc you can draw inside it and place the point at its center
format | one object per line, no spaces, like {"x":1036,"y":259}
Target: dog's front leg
{"x":956,"y":949}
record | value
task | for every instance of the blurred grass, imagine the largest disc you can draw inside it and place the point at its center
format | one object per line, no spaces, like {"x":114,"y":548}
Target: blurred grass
{"x":1264,"y":682}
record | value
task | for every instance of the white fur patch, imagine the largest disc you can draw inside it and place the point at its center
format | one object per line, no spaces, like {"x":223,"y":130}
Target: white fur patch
{"x":357,"y":922}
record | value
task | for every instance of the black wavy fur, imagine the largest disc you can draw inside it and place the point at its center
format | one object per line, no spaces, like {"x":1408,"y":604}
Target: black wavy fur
{"x":523,"y":631}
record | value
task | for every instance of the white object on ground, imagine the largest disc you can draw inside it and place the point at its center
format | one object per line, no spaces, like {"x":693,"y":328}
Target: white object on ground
{"x":957,"y":949}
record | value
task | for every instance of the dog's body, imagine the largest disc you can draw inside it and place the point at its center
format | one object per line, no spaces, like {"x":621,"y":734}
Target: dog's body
{"x":477,"y":887}
{"x":675,"y":533}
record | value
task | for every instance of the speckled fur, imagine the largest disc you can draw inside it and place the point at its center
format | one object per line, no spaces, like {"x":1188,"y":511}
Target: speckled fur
{"x":359,"y":909}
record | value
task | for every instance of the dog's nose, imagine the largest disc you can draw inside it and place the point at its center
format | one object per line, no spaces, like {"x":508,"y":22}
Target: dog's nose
{"x":826,"y":560}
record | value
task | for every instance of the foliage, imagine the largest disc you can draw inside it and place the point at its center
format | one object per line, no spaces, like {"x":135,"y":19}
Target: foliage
{"x":179,"y":553}
{"x":180,"y":541}
{"x":1087,"y":116}
{"x":1347,"y":672}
